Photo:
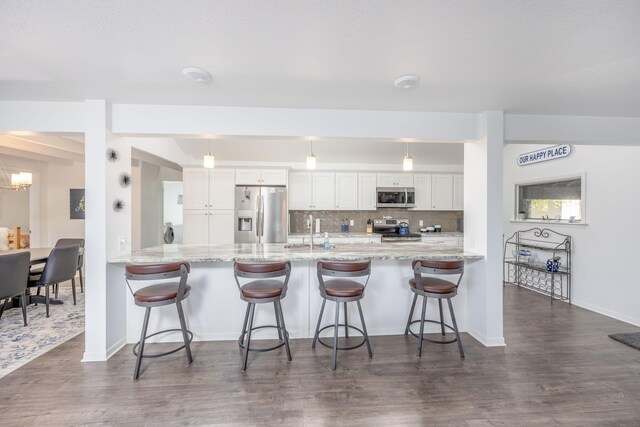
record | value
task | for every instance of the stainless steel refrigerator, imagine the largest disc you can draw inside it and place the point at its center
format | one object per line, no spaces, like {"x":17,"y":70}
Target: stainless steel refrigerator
{"x":261,"y":215}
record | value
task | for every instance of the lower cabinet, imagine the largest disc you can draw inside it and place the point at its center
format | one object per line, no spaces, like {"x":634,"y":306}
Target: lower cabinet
{"x":207,"y":227}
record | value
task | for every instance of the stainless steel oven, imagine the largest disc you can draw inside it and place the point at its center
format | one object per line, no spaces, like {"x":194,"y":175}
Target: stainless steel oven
{"x":395,"y":197}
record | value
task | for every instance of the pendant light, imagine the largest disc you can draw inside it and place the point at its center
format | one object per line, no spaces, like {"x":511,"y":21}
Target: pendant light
{"x":407,"y":163}
{"x":311,"y":159}
{"x":209,"y":160}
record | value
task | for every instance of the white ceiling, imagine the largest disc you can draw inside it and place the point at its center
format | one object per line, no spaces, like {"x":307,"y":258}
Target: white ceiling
{"x":534,"y":56}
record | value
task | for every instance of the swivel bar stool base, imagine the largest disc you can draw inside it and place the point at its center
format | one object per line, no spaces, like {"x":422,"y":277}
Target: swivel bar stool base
{"x":433,"y":287}
{"x":156,"y":296}
{"x":265,"y":289}
{"x":342,"y":290}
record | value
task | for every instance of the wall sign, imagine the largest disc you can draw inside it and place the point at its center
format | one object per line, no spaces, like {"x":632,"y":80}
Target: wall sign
{"x":76,"y":199}
{"x":550,"y":153}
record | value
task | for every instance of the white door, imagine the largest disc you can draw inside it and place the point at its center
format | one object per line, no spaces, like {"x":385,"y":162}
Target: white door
{"x":387,"y":180}
{"x":458,"y":192}
{"x":405,"y":180}
{"x":274,"y":177}
{"x":324,"y":191}
{"x":196,"y":188}
{"x":195,"y":228}
{"x":347,"y":191}
{"x":300,"y":191}
{"x":442,"y":192}
{"x":222,"y":189}
{"x":221,"y":227}
{"x":248,"y":177}
{"x":367,"y":191}
{"x":422,"y":184}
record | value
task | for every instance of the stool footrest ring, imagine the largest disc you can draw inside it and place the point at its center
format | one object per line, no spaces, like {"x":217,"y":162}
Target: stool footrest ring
{"x":166,"y":353}
{"x":430,"y":340}
{"x":353,"y":347}
{"x":241,"y":339}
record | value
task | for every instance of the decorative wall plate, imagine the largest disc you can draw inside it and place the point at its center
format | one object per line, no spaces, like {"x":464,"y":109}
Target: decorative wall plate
{"x":118,"y":205}
{"x":125,"y":179}
{"x":112,"y":155}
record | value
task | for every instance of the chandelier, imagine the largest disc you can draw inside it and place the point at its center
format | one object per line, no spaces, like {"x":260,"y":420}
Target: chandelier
{"x":14,"y":181}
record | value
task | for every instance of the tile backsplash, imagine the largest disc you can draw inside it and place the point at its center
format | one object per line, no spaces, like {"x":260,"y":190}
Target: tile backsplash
{"x":330,"y":221}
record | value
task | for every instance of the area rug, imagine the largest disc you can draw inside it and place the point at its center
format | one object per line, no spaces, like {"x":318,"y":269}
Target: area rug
{"x":631,"y":339}
{"x":20,"y":344}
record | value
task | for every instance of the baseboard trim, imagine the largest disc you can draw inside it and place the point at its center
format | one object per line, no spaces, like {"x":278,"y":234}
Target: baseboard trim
{"x":99,"y":356}
{"x":606,"y":312}
{"x":487,"y":341}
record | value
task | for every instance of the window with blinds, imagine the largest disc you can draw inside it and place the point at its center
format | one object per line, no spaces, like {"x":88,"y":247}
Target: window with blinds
{"x":552,"y":200}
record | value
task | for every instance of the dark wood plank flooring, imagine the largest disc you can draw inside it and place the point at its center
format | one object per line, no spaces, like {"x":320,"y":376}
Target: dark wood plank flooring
{"x":559,"y":368}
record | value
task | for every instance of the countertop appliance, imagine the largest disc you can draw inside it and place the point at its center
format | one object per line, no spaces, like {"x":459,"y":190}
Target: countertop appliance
{"x":395,"y":197}
{"x":261,"y":215}
{"x":395,"y":230}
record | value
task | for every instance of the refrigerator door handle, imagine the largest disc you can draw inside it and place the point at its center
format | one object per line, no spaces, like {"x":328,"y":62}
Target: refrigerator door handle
{"x":258,"y":218}
{"x":261,"y":216}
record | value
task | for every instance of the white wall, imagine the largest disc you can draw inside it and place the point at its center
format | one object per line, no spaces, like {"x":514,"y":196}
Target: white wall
{"x":605,"y":251}
{"x":61,"y":178}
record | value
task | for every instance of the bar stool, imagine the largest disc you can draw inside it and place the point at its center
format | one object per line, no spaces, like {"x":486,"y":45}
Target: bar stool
{"x":264,"y":290}
{"x":342,"y":290}
{"x":158,"y":295}
{"x":434,"y":287}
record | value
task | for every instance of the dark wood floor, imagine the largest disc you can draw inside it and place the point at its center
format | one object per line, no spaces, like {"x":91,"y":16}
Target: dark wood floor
{"x":559,"y":368}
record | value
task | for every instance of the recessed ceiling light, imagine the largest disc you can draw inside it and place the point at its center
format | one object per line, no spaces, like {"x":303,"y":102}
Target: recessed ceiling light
{"x":197,"y":74}
{"x":407,"y":81}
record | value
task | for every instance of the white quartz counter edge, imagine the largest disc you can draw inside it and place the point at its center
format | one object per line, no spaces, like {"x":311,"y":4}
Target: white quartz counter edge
{"x":278,"y":251}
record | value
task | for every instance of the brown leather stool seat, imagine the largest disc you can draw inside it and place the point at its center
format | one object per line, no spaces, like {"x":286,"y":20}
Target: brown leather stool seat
{"x":156,"y":295}
{"x":267,"y":283}
{"x":342,"y":287}
{"x":424,"y":284}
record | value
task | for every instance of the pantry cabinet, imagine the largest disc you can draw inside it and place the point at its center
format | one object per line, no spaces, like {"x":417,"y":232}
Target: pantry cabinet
{"x":208,"y":204}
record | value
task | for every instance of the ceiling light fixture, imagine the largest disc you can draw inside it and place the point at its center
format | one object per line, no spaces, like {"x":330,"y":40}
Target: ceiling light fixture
{"x":209,"y":160}
{"x":196,"y":74}
{"x":407,"y":163}
{"x":18,"y":181}
{"x":407,"y":81}
{"x":311,"y":159}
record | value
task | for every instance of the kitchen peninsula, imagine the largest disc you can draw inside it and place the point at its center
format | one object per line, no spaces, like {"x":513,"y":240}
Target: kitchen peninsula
{"x":214,"y":310}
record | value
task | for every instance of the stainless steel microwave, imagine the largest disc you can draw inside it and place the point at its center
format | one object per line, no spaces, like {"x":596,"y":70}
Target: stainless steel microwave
{"x":395,"y":197}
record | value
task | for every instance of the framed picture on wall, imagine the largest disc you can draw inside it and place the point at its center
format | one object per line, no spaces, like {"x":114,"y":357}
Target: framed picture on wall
{"x":76,"y":202}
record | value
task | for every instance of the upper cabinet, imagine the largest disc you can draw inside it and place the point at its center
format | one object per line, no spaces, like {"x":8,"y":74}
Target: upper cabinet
{"x":395,"y":180}
{"x":441,"y":192}
{"x":458,"y":192}
{"x":346,"y":191}
{"x":311,"y":191}
{"x":261,"y":177}
{"x":367,"y":191}
{"x":422,"y":185}
{"x":208,"y":188}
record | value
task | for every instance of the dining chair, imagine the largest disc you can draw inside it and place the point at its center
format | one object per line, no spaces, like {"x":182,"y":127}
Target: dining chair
{"x":67,"y":242}
{"x":14,"y":272}
{"x":60,"y":267}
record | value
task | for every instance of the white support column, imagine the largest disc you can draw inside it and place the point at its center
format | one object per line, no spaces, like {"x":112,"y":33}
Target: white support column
{"x":483,"y":229}
{"x":105,"y":317}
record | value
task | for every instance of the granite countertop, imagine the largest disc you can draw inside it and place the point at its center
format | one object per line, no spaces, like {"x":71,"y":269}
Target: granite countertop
{"x":321,"y":235}
{"x":278,"y":252}
{"x":444,"y":234}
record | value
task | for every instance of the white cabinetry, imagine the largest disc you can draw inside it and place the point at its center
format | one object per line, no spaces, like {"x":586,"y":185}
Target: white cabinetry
{"x":441,"y":192}
{"x":449,"y":241}
{"x":311,"y":191}
{"x":208,"y":205}
{"x":261,"y":177}
{"x":367,"y":191}
{"x":346,"y":191}
{"x":395,"y":180}
{"x":422,"y":185}
{"x":458,"y":192}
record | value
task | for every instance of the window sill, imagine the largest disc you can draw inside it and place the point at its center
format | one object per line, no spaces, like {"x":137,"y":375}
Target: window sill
{"x":552,"y":221}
